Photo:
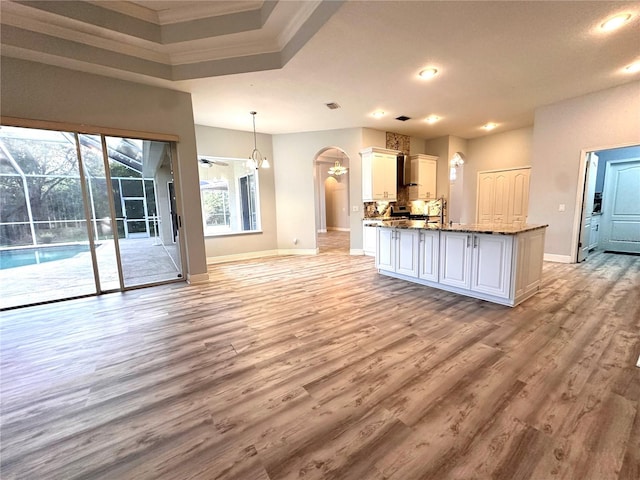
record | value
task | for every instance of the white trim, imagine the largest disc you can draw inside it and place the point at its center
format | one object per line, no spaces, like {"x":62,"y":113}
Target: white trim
{"x":298,"y":251}
{"x":551,"y":257}
{"x":322,"y":230}
{"x":241,"y":256}
{"x":264,"y":253}
{"x":357,"y":251}
{"x":198,"y":278}
{"x":577,"y":213}
{"x":505,"y":169}
{"x":338,"y":229}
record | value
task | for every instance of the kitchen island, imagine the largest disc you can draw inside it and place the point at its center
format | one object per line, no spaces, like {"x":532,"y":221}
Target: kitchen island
{"x":497,"y":263}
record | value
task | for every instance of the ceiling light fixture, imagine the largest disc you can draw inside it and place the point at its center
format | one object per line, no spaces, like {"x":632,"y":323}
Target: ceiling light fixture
{"x":633,"y":68}
{"x":432,"y":119}
{"x":489,"y":126}
{"x":616,"y":22}
{"x":256,"y":160}
{"x":378,"y":114}
{"x":428,"y":73}
{"x":337,"y":169}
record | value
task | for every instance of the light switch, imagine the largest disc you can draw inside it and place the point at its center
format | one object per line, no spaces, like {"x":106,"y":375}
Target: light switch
{"x":561,"y":207}
{"x":355,"y":208}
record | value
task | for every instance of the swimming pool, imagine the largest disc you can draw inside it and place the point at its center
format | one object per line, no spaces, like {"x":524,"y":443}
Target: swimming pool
{"x":20,"y":257}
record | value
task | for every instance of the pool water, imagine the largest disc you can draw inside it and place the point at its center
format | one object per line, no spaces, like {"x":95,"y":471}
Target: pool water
{"x":29,"y":256}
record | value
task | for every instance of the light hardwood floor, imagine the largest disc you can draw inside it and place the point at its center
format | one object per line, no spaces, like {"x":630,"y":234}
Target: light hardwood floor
{"x":317,"y":367}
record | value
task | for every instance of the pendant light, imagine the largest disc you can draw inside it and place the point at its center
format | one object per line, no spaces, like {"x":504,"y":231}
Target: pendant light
{"x":256,"y":160}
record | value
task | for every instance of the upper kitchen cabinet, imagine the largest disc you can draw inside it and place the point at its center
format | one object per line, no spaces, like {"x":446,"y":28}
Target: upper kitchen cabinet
{"x":379,"y":174}
{"x":423,"y":169}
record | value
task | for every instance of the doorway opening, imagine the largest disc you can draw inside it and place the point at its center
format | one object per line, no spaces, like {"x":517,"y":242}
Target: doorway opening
{"x":331,"y":174}
{"x":609,"y":219}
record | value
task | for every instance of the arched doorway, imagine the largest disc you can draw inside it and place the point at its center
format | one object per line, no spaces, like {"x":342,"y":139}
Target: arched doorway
{"x":331,"y":174}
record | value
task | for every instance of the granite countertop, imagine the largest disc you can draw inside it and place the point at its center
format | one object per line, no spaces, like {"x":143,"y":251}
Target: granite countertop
{"x":497,"y":229}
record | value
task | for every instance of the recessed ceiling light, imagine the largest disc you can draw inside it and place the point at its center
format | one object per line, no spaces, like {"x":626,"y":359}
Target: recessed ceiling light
{"x":428,"y":73}
{"x":633,"y":68}
{"x":489,"y":126}
{"x":378,"y":114}
{"x":432,"y":119}
{"x":616,"y":22}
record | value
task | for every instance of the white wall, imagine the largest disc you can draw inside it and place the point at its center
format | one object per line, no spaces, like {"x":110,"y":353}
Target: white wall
{"x":36,"y":91}
{"x":493,"y":152}
{"x":561,"y":131}
{"x":221,"y":142}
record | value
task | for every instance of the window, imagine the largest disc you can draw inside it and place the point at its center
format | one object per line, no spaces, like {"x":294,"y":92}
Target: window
{"x":229,"y":196}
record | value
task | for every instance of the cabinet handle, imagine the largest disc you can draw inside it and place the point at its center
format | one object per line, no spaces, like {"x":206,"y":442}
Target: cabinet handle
{"x":468,"y":240}
{"x":475,"y":241}
{"x":597,"y":227}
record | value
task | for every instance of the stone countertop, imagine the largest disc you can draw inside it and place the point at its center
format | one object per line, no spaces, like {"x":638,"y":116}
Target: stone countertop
{"x":495,"y":229}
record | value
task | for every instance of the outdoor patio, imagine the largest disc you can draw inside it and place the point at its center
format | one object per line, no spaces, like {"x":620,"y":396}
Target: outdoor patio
{"x":144,"y":261}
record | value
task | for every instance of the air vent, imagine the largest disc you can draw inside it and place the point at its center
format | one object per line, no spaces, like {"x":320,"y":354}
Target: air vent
{"x":403,"y":118}
{"x":332,"y":106}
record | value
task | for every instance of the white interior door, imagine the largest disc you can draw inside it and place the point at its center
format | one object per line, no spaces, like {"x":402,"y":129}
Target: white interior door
{"x":620,"y":228}
{"x":591,"y":166}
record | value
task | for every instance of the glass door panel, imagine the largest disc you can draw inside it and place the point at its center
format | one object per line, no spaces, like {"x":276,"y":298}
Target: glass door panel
{"x":101,"y":223}
{"x":44,"y":242}
{"x":140,"y":173}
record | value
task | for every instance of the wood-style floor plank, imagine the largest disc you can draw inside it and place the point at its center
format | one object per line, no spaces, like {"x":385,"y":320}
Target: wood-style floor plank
{"x":317,"y":367}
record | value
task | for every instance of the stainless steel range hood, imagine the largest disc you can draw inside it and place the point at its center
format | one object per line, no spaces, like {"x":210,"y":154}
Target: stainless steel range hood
{"x":404,"y":171}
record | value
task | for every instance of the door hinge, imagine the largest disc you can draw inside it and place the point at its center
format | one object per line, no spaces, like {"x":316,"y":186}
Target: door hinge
{"x":579,"y":244}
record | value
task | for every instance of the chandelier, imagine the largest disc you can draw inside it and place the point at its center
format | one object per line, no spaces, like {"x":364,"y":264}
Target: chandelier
{"x":256,"y":160}
{"x":337,"y":169}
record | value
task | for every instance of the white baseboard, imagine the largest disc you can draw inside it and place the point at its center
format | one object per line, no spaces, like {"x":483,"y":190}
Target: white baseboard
{"x":356,"y":251}
{"x":241,"y":256}
{"x":550,"y":257}
{"x":338,"y":229}
{"x":322,"y":230}
{"x":198,"y":278}
{"x":299,"y":251}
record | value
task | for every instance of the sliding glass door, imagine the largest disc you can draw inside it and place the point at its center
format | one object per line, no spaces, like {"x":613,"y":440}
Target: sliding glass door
{"x":83,"y":214}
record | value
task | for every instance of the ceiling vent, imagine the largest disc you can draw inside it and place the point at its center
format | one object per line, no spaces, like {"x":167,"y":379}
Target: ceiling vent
{"x":403,"y":118}
{"x":332,"y":106}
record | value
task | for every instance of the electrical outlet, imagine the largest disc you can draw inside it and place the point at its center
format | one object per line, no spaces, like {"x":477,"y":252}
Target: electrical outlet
{"x":561,"y":207}
{"x":355,"y":208}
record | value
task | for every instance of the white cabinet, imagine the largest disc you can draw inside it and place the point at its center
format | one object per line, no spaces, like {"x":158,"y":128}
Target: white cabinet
{"x":594,"y":237}
{"x":397,"y":251}
{"x":369,"y":240}
{"x":477,"y":262}
{"x":428,"y":255}
{"x":379,"y":174}
{"x":455,"y":259}
{"x":503,"y":197}
{"x":423,"y":172}
{"x":499,"y":268}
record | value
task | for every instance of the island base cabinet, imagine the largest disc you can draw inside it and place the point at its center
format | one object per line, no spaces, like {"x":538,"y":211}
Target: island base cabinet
{"x":529,"y":259}
{"x":455,"y":259}
{"x":429,"y":255}
{"x":491,"y":264}
{"x":504,"y":269}
{"x":397,"y":251}
{"x":477,"y":262}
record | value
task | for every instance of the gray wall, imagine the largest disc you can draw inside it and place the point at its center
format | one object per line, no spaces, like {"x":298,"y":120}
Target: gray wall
{"x":294,"y":183}
{"x":493,"y":152}
{"x":36,"y":91}
{"x":220,"y":142}
{"x":561,"y":132}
